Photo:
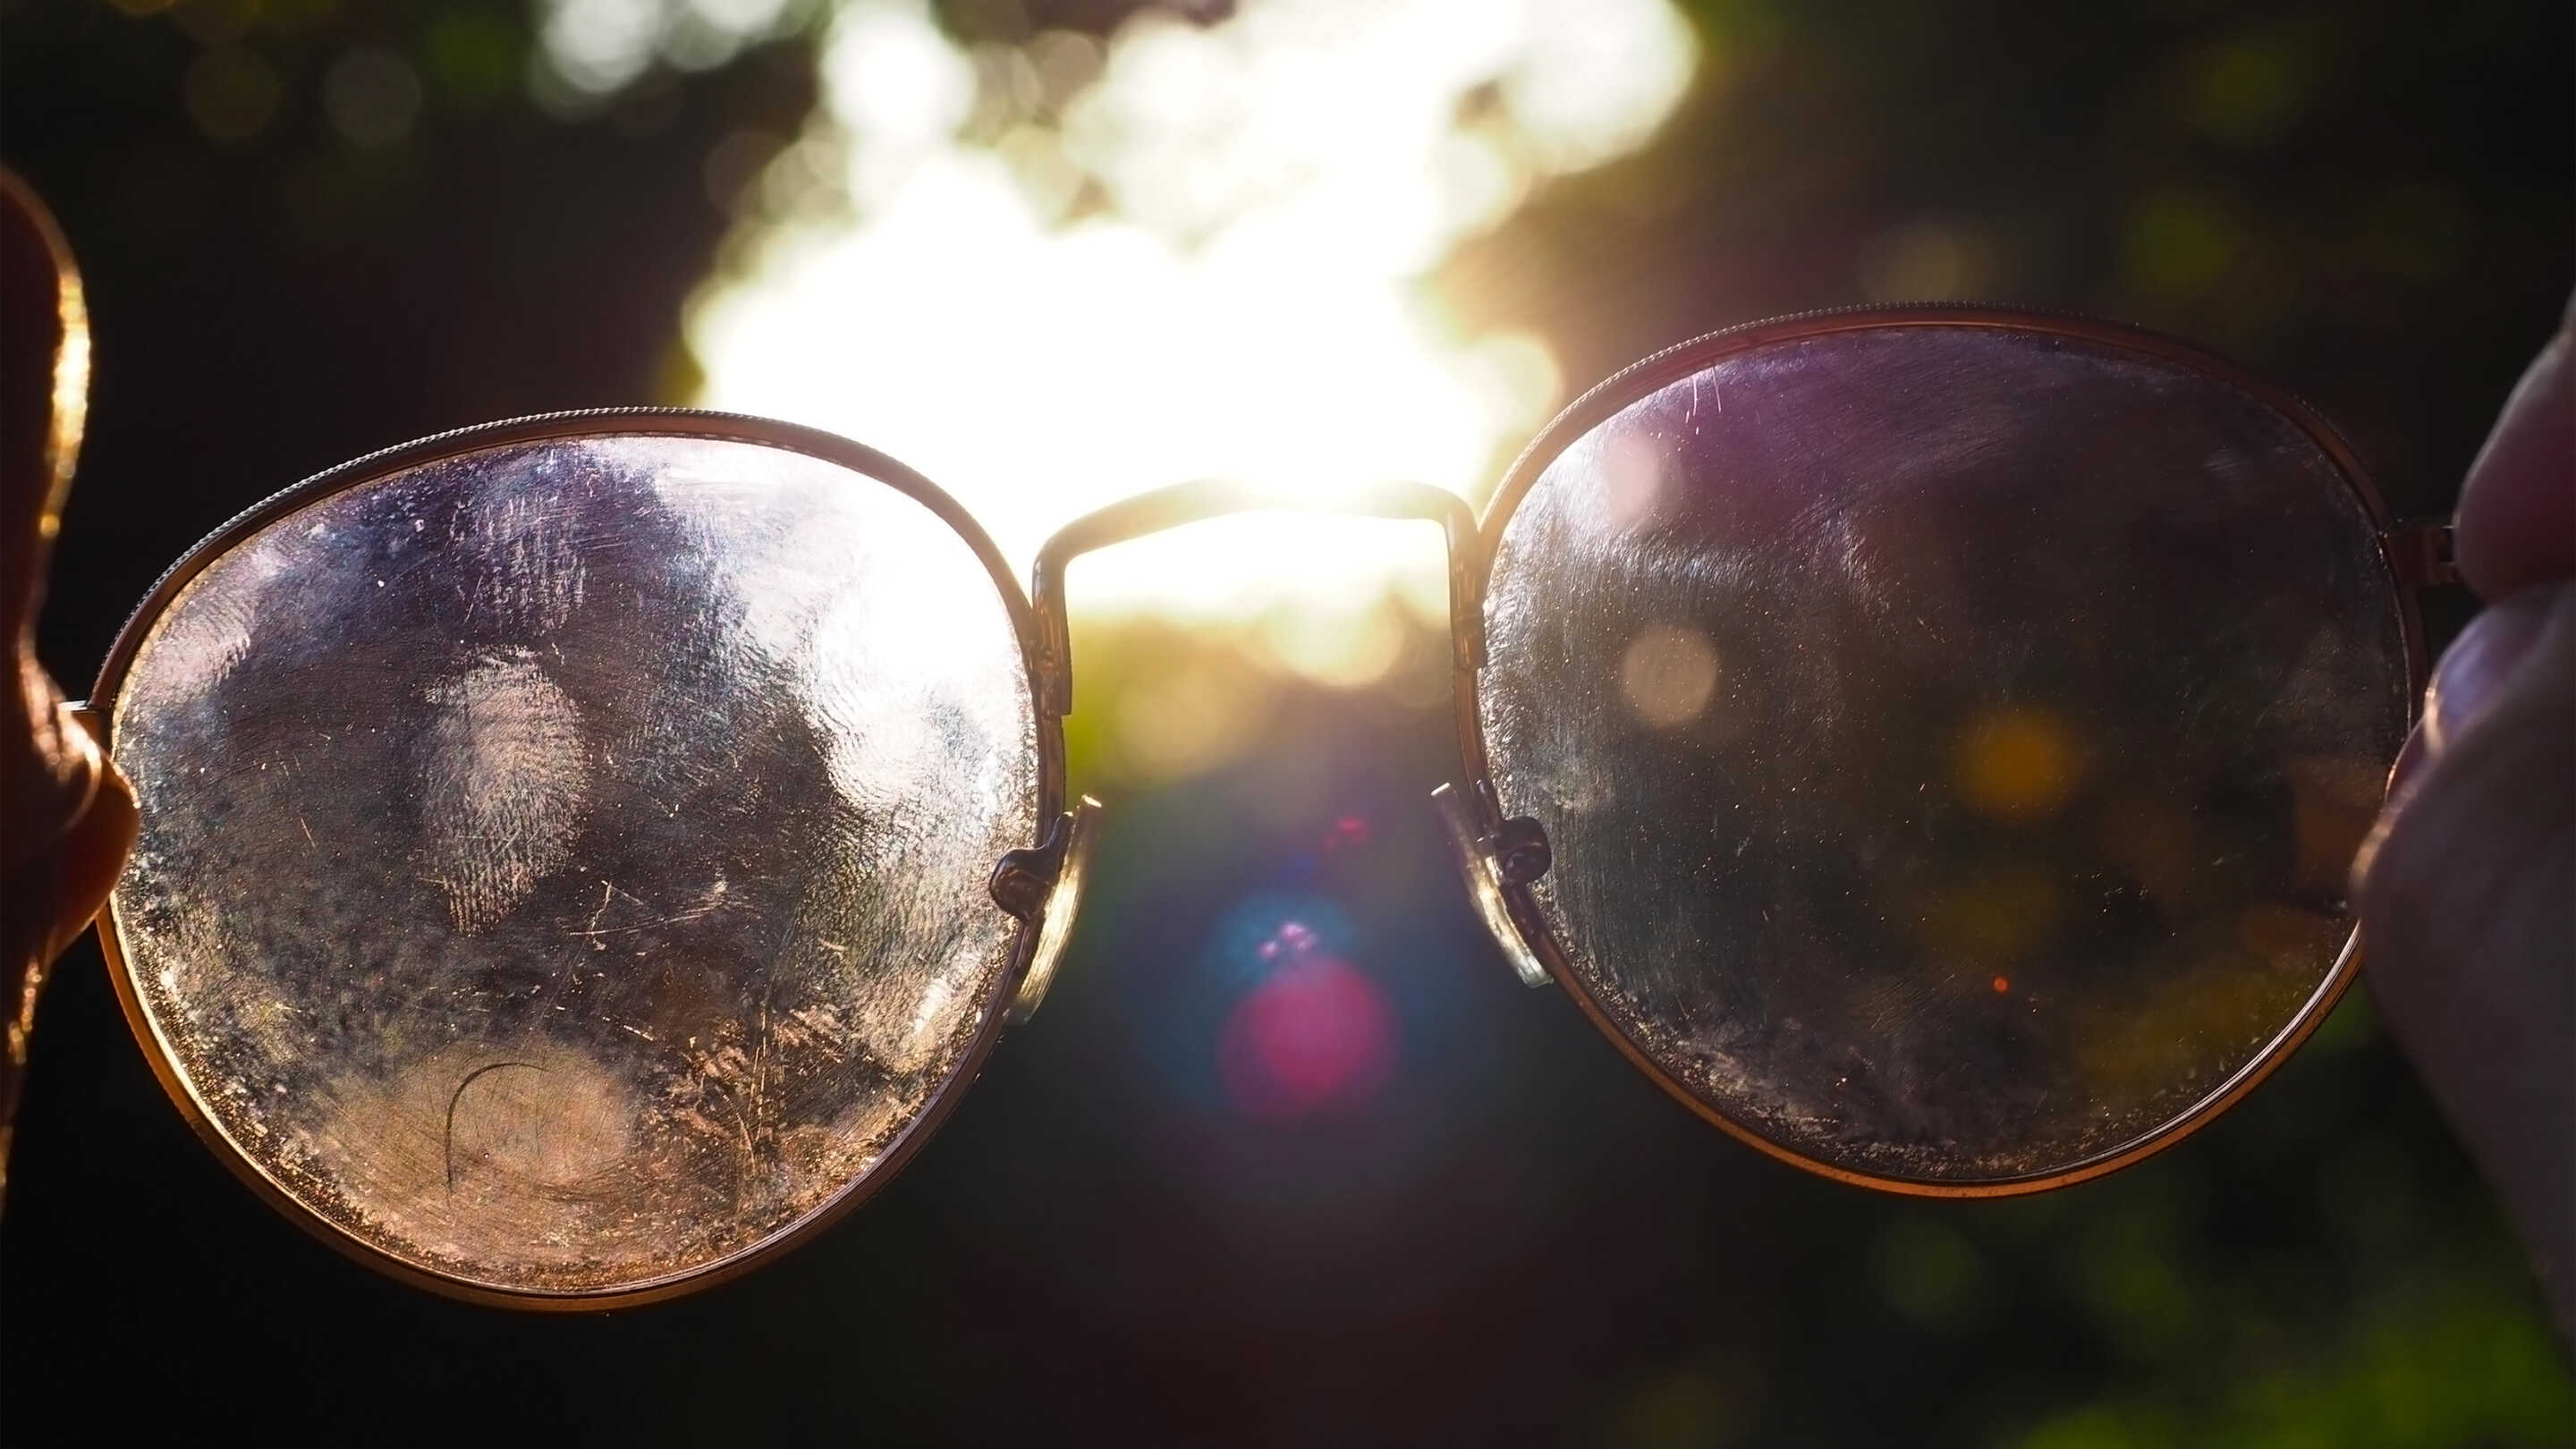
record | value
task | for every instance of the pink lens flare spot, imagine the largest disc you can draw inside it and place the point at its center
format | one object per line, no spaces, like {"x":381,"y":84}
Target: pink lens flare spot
{"x":1349,"y":833}
{"x":1317,"y":1035}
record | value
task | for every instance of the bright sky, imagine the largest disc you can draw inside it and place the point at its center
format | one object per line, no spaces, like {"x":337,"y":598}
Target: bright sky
{"x":1250,"y":302}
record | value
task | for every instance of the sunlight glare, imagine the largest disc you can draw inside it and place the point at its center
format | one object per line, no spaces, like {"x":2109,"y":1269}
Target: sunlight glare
{"x":1208,"y":260}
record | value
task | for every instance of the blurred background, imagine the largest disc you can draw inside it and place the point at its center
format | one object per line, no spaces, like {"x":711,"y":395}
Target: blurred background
{"x":1053,"y":252}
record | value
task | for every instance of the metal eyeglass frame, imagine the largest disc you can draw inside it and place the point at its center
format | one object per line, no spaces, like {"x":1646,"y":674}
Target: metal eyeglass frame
{"x":1040,"y":885}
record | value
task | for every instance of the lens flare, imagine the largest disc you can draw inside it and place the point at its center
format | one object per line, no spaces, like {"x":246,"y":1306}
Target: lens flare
{"x":1317,"y":1035}
{"x":1349,"y":833}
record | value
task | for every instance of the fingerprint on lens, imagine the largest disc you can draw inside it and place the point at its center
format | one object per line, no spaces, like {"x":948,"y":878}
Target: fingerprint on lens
{"x":504,"y":788}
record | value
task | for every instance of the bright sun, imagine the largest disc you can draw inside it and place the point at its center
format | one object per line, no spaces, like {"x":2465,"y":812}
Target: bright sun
{"x":1070,"y":272}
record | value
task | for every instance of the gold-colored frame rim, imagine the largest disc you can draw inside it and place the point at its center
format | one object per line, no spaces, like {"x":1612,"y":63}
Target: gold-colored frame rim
{"x":1031,"y":625}
{"x":1641,"y":379}
{"x":617,"y":422}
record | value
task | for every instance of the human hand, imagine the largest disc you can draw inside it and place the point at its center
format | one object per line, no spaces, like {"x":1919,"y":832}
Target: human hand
{"x":70,"y":816}
{"x":2467,"y":887}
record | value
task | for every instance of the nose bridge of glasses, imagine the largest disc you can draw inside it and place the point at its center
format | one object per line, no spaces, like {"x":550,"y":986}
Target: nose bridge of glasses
{"x":1497,"y":856}
{"x":1184,"y":503}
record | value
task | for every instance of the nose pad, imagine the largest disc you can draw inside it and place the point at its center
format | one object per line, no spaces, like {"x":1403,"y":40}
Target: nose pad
{"x":1517,"y":852}
{"x":1044,"y":887}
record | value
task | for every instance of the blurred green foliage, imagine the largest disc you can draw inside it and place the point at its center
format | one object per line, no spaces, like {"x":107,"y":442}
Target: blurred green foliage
{"x":2350,"y":197}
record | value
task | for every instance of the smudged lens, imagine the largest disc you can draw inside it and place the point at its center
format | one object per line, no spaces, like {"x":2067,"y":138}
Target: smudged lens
{"x":563,"y":865}
{"x":1952,"y":739}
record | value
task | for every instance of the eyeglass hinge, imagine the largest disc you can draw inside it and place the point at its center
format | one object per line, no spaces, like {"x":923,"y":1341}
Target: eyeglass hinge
{"x":2420,"y":554}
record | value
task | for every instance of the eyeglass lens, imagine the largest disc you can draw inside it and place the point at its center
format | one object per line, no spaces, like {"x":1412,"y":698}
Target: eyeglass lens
{"x":563,"y":865}
{"x":1952,"y":739}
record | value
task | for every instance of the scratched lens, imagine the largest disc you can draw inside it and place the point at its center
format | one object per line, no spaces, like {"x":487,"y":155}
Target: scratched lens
{"x":1952,"y":740}
{"x":563,"y":865}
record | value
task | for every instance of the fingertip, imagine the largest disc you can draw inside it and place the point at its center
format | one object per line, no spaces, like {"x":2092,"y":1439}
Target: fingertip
{"x":2516,"y":524}
{"x":93,"y":856}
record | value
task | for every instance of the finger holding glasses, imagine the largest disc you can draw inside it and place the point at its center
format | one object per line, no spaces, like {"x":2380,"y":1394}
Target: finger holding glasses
{"x":70,"y":814}
{"x":2468,"y":885}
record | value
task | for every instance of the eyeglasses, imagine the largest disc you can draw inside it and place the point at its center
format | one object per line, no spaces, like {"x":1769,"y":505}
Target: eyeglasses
{"x":583,"y":856}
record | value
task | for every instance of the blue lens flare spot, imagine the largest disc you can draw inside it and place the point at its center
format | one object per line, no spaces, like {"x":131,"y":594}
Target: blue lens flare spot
{"x":1268,"y":927}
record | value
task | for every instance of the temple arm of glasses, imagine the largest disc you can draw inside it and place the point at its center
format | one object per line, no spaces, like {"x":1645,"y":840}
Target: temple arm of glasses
{"x":1190,"y":502}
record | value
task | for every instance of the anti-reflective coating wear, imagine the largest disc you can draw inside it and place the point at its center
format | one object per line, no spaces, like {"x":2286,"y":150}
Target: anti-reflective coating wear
{"x":563,"y":865}
{"x":1952,"y":739}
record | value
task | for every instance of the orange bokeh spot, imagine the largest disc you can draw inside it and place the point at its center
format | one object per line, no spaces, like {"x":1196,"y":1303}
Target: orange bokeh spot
{"x":2019,"y":764}
{"x":2002,"y":985}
